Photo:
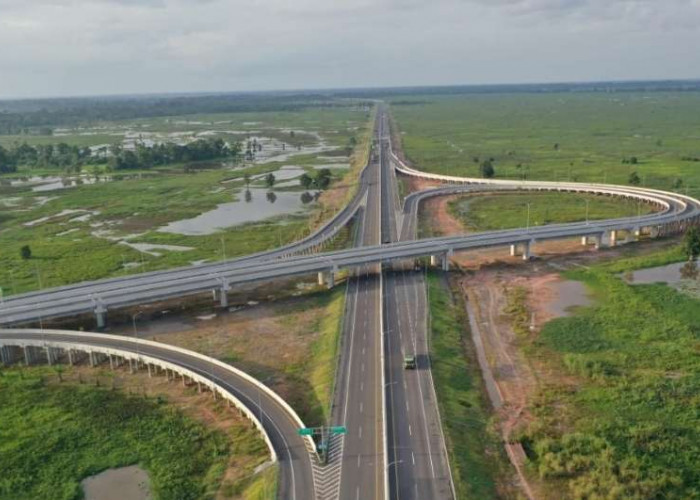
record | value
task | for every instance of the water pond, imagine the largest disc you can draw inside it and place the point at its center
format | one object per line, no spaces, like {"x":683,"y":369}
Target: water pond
{"x":253,"y":205}
{"x":125,"y":483}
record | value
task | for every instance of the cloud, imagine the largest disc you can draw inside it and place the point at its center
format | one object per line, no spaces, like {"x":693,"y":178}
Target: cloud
{"x":122,"y":46}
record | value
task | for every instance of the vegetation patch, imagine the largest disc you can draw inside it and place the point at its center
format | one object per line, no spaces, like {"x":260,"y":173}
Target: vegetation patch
{"x":52,"y":437}
{"x":473,"y":444}
{"x":507,"y":211}
{"x":585,"y":137}
{"x":622,"y":422}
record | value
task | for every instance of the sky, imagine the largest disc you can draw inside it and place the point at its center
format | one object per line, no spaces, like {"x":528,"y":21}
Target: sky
{"x":98,"y":47}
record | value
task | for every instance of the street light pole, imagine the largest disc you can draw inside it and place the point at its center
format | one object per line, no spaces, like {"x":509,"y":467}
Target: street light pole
{"x":136,"y":339}
{"x":528,"y":217}
{"x":587,"y":202}
{"x":223,"y":247}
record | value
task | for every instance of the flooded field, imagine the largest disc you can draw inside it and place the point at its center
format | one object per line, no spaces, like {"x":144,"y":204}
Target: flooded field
{"x":568,"y":294}
{"x":254,"y":205}
{"x":125,"y":483}
{"x":669,"y":274}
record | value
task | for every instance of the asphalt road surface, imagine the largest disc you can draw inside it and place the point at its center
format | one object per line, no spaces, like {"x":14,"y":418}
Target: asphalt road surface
{"x":358,"y":396}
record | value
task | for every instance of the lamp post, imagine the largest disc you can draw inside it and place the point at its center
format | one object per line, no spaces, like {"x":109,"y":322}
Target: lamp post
{"x":528,"y":217}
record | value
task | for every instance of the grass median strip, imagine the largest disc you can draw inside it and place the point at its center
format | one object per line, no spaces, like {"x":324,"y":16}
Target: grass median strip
{"x":473,"y":445}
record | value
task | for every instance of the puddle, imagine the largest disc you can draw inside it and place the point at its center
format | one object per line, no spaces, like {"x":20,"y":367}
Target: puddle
{"x":567,"y":294}
{"x":125,"y":483}
{"x":254,"y":205}
{"x":149,"y":248}
{"x":63,"y":213}
{"x":43,"y":184}
{"x":669,"y":274}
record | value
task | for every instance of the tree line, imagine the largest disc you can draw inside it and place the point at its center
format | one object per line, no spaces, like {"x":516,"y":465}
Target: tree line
{"x":116,"y":157}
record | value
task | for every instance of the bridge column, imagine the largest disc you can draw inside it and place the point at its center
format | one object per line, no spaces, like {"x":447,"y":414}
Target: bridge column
{"x":584,"y":241}
{"x":50,"y":355}
{"x":100,"y":312}
{"x":612,"y":238}
{"x":7,"y":355}
{"x":434,"y":260}
{"x":225,"y":287}
{"x":28,"y":355}
{"x":598,"y":240}
{"x":654,"y":231}
{"x":527,"y":250}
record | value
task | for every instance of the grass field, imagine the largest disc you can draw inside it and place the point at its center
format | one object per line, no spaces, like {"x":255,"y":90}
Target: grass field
{"x":474,"y":447}
{"x":558,"y":136}
{"x":506,"y":211}
{"x":621,"y":421}
{"x":53,"y":436}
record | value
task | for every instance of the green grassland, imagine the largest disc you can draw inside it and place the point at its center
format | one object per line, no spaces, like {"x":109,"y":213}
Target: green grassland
{"x":594,"y":133}
{"x":52,"y":437}
{"x":474,"y":447}
{"x":138,"y":203}
{"x":507,"y":211}
{"x":335,"y":123}
{"x":627,"y":426}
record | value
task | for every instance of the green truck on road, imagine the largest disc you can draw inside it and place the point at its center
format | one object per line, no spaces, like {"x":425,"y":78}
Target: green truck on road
{"x":409,"y":361}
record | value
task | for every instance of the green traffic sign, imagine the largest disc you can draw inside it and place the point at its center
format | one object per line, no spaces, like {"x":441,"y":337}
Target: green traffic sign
{"x":339,"y":430}
{"x":306,"y":432}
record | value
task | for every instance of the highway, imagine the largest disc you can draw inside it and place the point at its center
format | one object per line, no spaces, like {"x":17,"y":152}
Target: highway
{"x":394,"y":447}
{"x":280,"y":425}
{"x":358,"y":397}
{"x":419,"y":466}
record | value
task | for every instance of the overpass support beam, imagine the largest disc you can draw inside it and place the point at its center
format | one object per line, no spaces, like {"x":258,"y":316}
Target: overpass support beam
{"x":225,"y":287}
{"x":445,"y":262}
{"x":527,"y":249}
{"x":28,"y":355}
{"x":612,"y":238}
{"x":654,"y":231}
{"x":50,"y":355}
{"x":100,"y":316}
{"x":327,"y":278}
{"x":513,"y":250}
{"x":7,"y":355}
{"x":434,"y":260}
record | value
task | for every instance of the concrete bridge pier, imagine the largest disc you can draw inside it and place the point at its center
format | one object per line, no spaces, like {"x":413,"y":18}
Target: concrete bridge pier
{"x":612,"y":238}
{"x":527,"y":249}
{"x":100,"y":316}
{"x":327,"y":277}
{"x":51,"y":355}
{"x":225,"y":287}
{"x":29,"y":355}
{"x":8,"y":355}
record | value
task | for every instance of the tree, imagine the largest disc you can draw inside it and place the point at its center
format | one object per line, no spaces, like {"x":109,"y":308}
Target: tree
{"x":634,"y":179}
{"x":25,"y":252}
{"x":691,"y":243}
{"x":487,"y":170}
{"x":248,"y":196}
{"x":271,"y":196}
{"x":306,"y":198}
{"x":323,"y":178}
{"x":270,"y":180}
{"x":306,"y":180}
{"x":246,"y":179}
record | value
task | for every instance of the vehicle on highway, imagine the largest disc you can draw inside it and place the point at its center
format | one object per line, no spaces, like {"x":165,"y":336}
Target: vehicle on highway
{"x":409,"y":361}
